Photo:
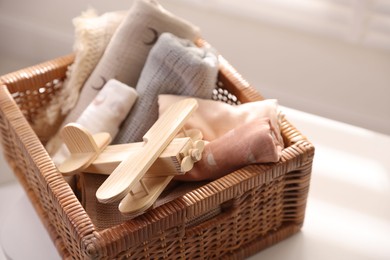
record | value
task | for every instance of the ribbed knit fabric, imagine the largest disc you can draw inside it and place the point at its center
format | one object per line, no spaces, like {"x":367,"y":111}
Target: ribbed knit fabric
{"x":174,"y":66}
{"x":92,"y":35}
{"x":128,"y":48}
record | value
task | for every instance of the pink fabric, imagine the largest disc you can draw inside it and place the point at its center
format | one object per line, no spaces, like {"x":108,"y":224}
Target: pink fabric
{"x":252,"y":142}
{"x":215,"y":118}
{"x":238,"y":135}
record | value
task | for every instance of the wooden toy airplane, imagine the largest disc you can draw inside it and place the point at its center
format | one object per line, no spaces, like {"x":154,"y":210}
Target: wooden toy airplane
{"x":138,"y":172}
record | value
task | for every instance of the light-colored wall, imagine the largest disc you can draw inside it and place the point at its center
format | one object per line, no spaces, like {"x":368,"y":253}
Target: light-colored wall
{"x":320,"y":75}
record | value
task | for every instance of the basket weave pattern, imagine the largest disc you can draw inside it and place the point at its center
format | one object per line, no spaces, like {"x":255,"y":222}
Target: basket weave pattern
{"x":257,"y":206}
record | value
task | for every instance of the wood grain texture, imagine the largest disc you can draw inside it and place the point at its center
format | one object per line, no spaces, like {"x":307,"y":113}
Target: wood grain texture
{"x":83,"y":147}
{"x":131,"y":170}
{"x":168,"y":163}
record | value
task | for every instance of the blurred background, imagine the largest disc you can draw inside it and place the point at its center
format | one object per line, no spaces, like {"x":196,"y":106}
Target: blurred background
{"x":326,"y":57}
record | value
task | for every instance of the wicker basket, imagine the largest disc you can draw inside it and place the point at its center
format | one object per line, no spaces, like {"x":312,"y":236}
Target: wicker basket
{"x":259,"y":205}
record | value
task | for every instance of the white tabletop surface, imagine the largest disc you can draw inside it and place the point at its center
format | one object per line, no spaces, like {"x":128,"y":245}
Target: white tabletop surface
{"x":347,"y":215}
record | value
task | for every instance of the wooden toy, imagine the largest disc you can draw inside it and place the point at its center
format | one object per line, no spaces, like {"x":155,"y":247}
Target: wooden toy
{"x":138,"y":172}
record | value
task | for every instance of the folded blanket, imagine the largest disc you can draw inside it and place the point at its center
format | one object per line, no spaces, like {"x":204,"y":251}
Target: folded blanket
{"x":126,"y":53}
{"x":174,"y":66}
{"x":215,"y":118}
{"x":92,"y":34}
{"x":246,"y":144}
{"x":237,"y":135}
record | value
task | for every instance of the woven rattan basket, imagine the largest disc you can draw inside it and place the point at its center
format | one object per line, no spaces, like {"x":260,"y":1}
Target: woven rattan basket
{"x":259,"y":205}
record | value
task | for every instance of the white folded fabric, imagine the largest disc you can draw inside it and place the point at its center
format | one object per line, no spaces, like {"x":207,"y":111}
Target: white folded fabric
{"x":105,"y":113}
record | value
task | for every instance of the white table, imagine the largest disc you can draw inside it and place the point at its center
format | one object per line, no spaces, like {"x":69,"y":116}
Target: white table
{"x":347,"y":215}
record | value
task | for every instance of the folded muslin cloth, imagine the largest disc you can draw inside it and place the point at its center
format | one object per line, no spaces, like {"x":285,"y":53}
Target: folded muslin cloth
{"x":237,"y":135}
{"x":174,"y":66}
{"x":215,"y":118}
{"x":109,"y":108}
{"x":252,"y":142}
{"x":128,"y":48}
{"x":105,"y":113}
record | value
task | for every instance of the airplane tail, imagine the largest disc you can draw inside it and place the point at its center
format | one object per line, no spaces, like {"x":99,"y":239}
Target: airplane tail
{"x":83,"y":147}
